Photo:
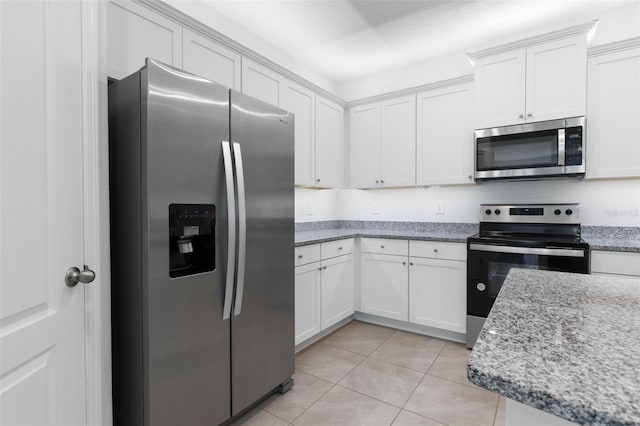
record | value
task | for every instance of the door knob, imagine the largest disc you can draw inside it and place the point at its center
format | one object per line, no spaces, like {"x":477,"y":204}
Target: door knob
{"x":75,"y":276}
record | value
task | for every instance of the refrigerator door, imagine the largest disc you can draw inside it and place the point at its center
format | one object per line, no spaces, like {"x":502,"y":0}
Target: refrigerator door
{"x":187,"y":343}
{"x":262,"y":331}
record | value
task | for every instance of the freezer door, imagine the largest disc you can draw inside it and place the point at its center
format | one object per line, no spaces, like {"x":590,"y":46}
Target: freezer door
{"x":187,"y":342}
{"x":262,"y":336}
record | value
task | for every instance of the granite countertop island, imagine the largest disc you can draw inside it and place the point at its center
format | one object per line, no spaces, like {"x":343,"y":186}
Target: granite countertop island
{"x":566,"y":344}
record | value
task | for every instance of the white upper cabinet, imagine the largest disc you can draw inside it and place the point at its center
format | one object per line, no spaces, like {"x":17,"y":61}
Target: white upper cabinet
{"x":261,"y":82}
{"x":364,"y":122}
{"x":613,"y":120}
{"x":500,"y":89}
{"x":383,"y":143}
{"x":557,"y":80}
{"x":398,"y":142}
{"x":301,"y":102}
{"x":541,"y":82}
{"x":329,"y":143}
{"x":210,"y":60}
{"x":135,"y":33}
{"x":445,"y":136}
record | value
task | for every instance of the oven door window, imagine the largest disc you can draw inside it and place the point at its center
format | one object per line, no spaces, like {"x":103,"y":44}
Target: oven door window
{"x":499,"y":269}
{"x":520,"y":151}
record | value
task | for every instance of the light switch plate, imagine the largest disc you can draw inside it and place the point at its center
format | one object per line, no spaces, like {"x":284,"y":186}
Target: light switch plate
{"x":310,"y":208}
{"x":440,"y":207}
{"x":375,"y":208}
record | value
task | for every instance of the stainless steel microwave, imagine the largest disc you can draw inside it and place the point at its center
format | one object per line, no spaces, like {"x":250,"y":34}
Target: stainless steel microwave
{"x":531,"y":151}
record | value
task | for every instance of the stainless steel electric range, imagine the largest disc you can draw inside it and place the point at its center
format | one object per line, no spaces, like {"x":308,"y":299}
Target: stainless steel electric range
{"x":540,"y":236}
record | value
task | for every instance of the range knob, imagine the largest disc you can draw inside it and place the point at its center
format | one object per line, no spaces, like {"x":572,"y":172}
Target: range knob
{"x":557,"y":211}
{"x":497,"y":211}
{"x":487,"y":211}
{"x":569,"y":212}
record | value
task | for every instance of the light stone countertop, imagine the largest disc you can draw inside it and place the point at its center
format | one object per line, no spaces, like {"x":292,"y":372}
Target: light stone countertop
{"x":567,"y":344}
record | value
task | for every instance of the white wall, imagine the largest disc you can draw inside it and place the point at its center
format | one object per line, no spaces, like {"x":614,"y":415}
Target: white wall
{"x":604,"y":203}
{"x":316,"y":205}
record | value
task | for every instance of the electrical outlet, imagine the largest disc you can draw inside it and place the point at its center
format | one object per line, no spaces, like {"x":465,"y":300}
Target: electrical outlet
{"x":310,"y":208}
{"x":440,"y":207}
{"x":375,"y":208}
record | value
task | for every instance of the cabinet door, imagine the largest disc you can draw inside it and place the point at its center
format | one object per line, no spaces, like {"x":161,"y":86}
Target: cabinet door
{"x":438,"y":293}
{"x":384,"y":286}
{"x":329,"y":137}
{"x":364,"y":142}
{"x":301,"y":102}
{"x":135,"y":33}
{"x":337,"y":290}
{"x":445,"y":136}
{"x":500,"y":89}
{"x":307,"y":302}
{"x":556,"y":80}
{"x":207,"y":59}
{"x":261,"y":82}
{"x":398,"y":142}
{"x":613,"y":127}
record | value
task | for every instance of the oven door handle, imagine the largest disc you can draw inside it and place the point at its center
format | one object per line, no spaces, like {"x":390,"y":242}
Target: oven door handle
{"x":528,"y":250}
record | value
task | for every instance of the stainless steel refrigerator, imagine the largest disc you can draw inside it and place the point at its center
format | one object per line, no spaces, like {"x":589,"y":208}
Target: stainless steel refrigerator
{"x":202,"y":224}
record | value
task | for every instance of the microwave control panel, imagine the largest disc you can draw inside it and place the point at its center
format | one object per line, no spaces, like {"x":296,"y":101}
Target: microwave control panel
{"x":573,"y":146}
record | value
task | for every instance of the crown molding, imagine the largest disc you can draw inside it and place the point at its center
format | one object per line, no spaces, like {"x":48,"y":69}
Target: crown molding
{"x":196,"y":26}
{"x":411,"y":90}
{"x":543,"y":38}
{"x":616,"y":46}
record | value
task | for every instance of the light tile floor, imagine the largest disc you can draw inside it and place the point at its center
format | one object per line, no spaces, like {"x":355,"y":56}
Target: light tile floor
{"x":364,"y":374}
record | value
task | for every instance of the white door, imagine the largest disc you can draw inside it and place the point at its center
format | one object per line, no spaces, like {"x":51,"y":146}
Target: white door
{"x":207,"y":59}
{"x":500,"y":89}
{"x":384,"y":286}
{"x":329,"y":137}
{"x":438,"y":293}
{"x":42,"y":351}
{"x":307,"y":301}
{"x":337,"y":290}
{"x":301,"y":101}
{"x":557,"y":80}
{"x":364,"y":143}
{"x":445,"y":136}
{"x":261,"y":82}
{"x":398,"y":142}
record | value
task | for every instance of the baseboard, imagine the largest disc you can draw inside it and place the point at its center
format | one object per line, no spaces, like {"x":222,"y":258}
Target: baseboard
{"x":413,"y":328}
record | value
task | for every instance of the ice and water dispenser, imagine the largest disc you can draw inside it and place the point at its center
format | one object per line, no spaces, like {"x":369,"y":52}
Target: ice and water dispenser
{"x":191,"y":239}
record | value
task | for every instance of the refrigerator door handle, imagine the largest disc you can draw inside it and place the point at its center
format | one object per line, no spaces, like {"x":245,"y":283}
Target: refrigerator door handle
{"x":242,"y":227}
{"x":231,"y":222}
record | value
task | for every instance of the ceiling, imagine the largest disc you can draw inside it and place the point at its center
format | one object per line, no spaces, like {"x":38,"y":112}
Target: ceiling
{"x":347,"y":39}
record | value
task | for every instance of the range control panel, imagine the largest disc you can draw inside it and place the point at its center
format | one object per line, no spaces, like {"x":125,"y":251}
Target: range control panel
{"x":530,"y":213}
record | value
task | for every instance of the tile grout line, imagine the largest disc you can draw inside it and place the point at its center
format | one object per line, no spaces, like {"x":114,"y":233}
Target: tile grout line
{"x":313,"y":403}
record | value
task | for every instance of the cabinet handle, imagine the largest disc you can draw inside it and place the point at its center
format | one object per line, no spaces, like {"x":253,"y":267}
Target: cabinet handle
{"x":435,"y":250}
{"x":377,"y":181}
{"x":521,"y":116}
{"x":320,"y":269}
{"x":339,"y":248}
{"x":470,"y":177}
{"x":381,"y":181}
{"x":324,"y":267}
{"x":530,"y":115}
{"x":381,"y":247}
{"x":300,"y":256}
{"x":410,"y":263}
{"x":404,"y":263}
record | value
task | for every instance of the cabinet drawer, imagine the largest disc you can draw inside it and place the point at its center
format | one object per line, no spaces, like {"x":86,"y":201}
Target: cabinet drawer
{"x":385,"y":246}
{"x":438,"y":250}
{"x":612,"y":262}
{"x":306,"y":254}
{"x":336,"y":248}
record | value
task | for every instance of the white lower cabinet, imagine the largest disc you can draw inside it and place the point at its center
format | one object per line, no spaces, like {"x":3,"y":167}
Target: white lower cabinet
{"x":337,"y":288}
{"x":384,"y":286}
{"x":437,"y":293}
{"x":307,"y":301}
{"x":615,"y":263}
{"x":324,"y":288}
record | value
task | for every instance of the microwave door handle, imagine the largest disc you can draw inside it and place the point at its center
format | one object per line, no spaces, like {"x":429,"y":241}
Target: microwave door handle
{"x":528,"y":250}
{"x":561,"y":147}
{"x":231,"y":232}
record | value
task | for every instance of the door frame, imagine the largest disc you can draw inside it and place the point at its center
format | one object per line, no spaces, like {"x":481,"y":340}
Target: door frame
{"x":95,"y":169}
